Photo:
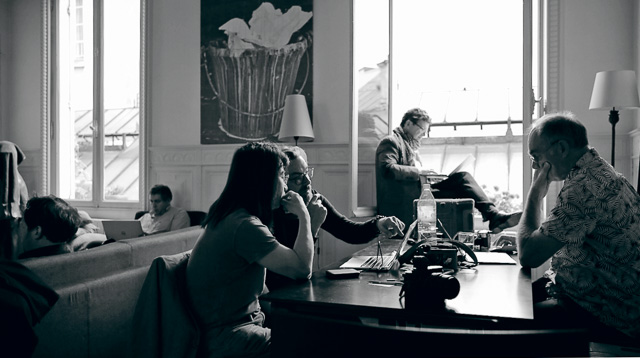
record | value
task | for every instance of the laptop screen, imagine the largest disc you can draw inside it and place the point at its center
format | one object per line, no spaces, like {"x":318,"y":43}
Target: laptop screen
{"x":122,"y":229}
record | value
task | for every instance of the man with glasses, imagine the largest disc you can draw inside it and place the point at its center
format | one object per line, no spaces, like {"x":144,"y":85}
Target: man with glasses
{"x":591,"y":235}
{"x":323,"y":215}
{"x":398,"y":177}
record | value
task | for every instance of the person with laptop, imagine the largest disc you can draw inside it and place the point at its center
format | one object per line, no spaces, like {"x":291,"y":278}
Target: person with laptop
{"x":398,"y":177}
{"x":226,"y":270}
{"x":591,"y":235}
{"x":323,"y":215}
{"x":163,"y":217}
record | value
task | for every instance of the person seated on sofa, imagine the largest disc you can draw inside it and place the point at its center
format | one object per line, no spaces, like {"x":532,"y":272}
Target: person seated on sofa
{"x":163,"y":217}
{"x":398,"y":177}
{"x":323,"y":215}
{"x":227,"y":267}
{"x":47,"y":227}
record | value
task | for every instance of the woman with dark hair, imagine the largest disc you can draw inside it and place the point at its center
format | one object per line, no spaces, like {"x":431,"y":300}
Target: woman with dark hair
{"x":227,"y":267}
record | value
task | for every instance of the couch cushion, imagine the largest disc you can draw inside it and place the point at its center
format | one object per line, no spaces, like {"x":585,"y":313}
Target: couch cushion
{"x":76,"y":267}
{"x":112,"y":302}
{"x":64,"y":331}
{"x":146,"y":249}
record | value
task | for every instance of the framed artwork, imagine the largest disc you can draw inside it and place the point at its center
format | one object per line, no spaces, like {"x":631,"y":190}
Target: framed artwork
{"x":252,"y":55}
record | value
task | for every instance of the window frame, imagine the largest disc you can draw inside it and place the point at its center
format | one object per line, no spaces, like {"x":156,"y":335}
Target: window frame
{"x":527,"y":101}
{"x":49,"y":107}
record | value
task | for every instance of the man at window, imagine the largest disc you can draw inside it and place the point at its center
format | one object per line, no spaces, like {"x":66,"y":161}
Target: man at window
{"x":398,"y":178}
{"x":163,"y":217}
{"x":591,"y":235}
{"x":323,"y":215}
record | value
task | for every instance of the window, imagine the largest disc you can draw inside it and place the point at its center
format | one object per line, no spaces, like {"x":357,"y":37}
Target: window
{"x":99,"y":119}
{"x":79,"y":40}
{"x":460,"y":60}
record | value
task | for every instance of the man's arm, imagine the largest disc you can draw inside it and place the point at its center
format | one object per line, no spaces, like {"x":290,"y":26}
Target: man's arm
{"x":295,"y":263}
{"x":181,"y":220}
{"x":349,"y":231}
{"x":534,"y":248}
{"x":388,"y":157}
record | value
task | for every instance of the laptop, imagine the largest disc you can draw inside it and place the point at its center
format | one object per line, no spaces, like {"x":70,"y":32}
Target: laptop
{"x":122,"y":229}
{"x":436,"y":178}
{"x":379,"y":262}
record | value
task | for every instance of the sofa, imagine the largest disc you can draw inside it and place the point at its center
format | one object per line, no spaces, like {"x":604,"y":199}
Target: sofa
{"x":98,"y":290}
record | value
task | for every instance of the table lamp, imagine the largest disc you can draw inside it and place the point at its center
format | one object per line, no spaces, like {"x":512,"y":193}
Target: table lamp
{"x":614,"y":90}
{"x":296,"y":122}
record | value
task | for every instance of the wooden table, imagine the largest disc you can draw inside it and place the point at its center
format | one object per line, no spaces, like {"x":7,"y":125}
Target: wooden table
{"x":493,"y":293}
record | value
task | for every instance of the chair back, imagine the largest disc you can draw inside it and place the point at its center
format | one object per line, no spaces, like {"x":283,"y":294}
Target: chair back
{"x":164,"y":324}
{"x":196,"y":217}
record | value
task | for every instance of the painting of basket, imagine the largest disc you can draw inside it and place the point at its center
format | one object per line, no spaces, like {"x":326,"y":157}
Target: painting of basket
{"x":251,"y":87}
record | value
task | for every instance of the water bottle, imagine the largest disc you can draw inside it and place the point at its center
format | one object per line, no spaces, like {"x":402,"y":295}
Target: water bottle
{"x":425,"y":213}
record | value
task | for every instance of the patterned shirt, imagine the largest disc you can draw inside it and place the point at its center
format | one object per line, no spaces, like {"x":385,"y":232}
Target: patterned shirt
{"x":597,"y":217}
{"x":172,"y":219}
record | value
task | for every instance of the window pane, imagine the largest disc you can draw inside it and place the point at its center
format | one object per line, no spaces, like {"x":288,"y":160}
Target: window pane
{"x":460,"y":60}
{"x":371,"y":61}
{"x":121,"y":99}
{"x":75,"y":132}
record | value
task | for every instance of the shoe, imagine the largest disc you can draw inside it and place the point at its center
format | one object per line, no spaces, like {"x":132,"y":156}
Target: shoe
{"x":501,"y":221}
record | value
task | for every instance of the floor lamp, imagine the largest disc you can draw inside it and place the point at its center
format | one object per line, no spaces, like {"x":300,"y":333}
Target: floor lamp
{"x":613,"y":90}
{"x":296,"y":123}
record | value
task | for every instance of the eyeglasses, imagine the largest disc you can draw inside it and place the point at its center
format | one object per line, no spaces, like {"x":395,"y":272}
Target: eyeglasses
{"x":534,"y":160}
{"x":299,"y":177}
{"x":419,"y":126}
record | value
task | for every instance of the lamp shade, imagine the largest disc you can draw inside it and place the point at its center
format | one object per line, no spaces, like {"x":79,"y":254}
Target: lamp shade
{"x":296,"y":123}
{"x":617,"y":89}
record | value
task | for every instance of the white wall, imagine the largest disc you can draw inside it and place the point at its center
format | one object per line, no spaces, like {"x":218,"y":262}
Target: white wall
{"x":22,"y":99}
{"x":597,"y":36}
{"x":5,"y":48}
{"x":174,"y":59}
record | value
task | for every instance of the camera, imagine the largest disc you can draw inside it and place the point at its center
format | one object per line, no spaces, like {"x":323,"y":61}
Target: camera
{"x":426,"y":287}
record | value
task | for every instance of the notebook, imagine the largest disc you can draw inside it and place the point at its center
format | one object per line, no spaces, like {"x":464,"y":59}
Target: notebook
{"x":379,"y":262}
{"x":122,"y":229}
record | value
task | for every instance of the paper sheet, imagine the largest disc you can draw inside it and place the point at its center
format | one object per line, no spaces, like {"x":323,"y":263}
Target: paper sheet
{"x":494,"y":258}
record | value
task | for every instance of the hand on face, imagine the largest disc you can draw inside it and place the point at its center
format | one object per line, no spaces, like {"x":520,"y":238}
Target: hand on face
{"x":541,"y":181}
{"x":390,"y":226}
{"x":318,"y":213}
{"x":293,"y":203}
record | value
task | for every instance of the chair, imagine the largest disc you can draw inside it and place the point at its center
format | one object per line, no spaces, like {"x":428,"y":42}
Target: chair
{"x":195,"y":216}
{"x":295,"y":335}
{"x":163,"y":323}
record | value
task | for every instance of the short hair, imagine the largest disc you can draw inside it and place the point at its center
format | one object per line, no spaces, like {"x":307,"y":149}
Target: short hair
{"x":163,"y":191}
{"x":561,"y":125}
{"x":294,"y":153}
{"x":251,"y":183}
{"x":414,"y":115}
{"x":58,"y":220}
